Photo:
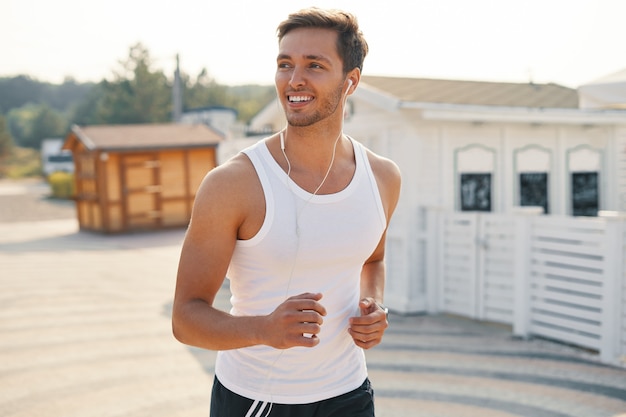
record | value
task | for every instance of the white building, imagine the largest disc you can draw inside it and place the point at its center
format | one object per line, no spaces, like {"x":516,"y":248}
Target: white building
{"x":466,"y":148}
{"x":608,"y":92}
{"x":221,"y":119}
{"x":486,"y":146}
{"x":480,"y":146}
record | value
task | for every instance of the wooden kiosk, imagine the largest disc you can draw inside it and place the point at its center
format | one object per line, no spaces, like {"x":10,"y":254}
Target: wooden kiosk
{"x":139,"y":177}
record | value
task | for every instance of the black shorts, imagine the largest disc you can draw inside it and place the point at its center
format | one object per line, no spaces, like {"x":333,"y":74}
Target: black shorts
{"x":357,"y":403}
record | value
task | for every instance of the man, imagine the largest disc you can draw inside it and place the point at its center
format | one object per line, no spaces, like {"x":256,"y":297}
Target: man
{"x":297,"y":223}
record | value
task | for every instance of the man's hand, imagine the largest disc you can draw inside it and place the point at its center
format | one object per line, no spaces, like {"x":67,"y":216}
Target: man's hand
{"x":368,"y":329}
{"x":296,"y":322}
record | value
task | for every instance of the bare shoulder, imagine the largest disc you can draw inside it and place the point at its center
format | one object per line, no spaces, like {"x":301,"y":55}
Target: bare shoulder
{"x":389,"y":179}
{"x":384,"y":168}
{"x":229,"y":193}
{"x":229,"y":180}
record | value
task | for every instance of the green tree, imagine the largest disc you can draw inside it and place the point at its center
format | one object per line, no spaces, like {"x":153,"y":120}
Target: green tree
{"x":250,"y":99}
{"x":86,"y":111}
{"x":20,"y":90}
{"x":137,"y":94}
{"x":32,"y":123}
{"x":20,"y":121}
{"x":6,"y":141}
{"x":48,"y":123}
{"x":204,"y":91}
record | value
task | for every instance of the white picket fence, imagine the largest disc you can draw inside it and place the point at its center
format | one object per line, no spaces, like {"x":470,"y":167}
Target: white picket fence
{"x":562,"y":278}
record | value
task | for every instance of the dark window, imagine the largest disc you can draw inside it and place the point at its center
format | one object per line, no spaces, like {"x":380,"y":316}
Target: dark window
{"x":533,"y":187}
{"x":476,"y":192}
{"x":60,"y":158}
{"x":585,"y":194}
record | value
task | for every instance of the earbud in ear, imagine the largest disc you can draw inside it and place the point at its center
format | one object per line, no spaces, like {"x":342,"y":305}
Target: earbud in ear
{"x":345,"y":95}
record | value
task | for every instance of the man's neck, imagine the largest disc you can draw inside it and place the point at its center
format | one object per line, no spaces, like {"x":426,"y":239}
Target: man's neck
{"x":312,"y":144}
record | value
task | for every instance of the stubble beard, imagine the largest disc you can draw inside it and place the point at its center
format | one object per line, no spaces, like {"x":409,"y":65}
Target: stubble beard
{"x":328,"y":108}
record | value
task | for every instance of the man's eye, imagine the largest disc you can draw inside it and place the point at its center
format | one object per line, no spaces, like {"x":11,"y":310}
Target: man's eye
{"x":314,"y":65}
{"x":283,"y":65}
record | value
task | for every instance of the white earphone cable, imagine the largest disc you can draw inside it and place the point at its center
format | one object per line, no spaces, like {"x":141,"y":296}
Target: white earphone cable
{"x":298,"y":214}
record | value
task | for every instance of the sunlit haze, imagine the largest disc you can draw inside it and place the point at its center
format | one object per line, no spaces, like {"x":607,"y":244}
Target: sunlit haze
{"x":569,"y":42}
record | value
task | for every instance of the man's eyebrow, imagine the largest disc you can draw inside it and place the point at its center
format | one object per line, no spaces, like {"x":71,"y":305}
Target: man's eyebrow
{"x":307,"y":57}
{"x":317,"y":58}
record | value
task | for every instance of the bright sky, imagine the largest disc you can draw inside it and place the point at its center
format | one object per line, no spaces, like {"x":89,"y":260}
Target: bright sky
{"x":569,"y":42}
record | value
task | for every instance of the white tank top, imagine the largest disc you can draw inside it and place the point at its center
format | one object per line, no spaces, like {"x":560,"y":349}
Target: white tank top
{"x":337,"y":234}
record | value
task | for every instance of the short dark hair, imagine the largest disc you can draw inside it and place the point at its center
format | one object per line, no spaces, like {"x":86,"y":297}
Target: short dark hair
{"x":351,"y":44}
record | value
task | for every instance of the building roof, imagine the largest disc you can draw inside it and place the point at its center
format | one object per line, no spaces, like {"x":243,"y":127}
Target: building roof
{"x":618,"y":77}
{"x":481,"y":93}
{"x":608,"y":92}
{"x":212,"y":108}
{"x":144,"y":136}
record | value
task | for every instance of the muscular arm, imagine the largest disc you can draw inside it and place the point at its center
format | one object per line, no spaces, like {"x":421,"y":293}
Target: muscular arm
{"x":230,"y":205}
{"x":368,"y":329}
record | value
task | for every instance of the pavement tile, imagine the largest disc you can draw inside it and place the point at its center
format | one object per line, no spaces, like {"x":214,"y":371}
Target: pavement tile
{"x":85,"y":331}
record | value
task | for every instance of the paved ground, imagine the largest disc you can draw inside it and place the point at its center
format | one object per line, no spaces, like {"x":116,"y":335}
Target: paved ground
{"x":85,"y":331}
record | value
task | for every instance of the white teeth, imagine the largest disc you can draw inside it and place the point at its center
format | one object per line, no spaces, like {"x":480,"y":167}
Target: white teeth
{"x":299,"y":99}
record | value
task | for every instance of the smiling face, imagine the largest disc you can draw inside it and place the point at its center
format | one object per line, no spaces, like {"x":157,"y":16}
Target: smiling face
{"x":309,"y":76}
